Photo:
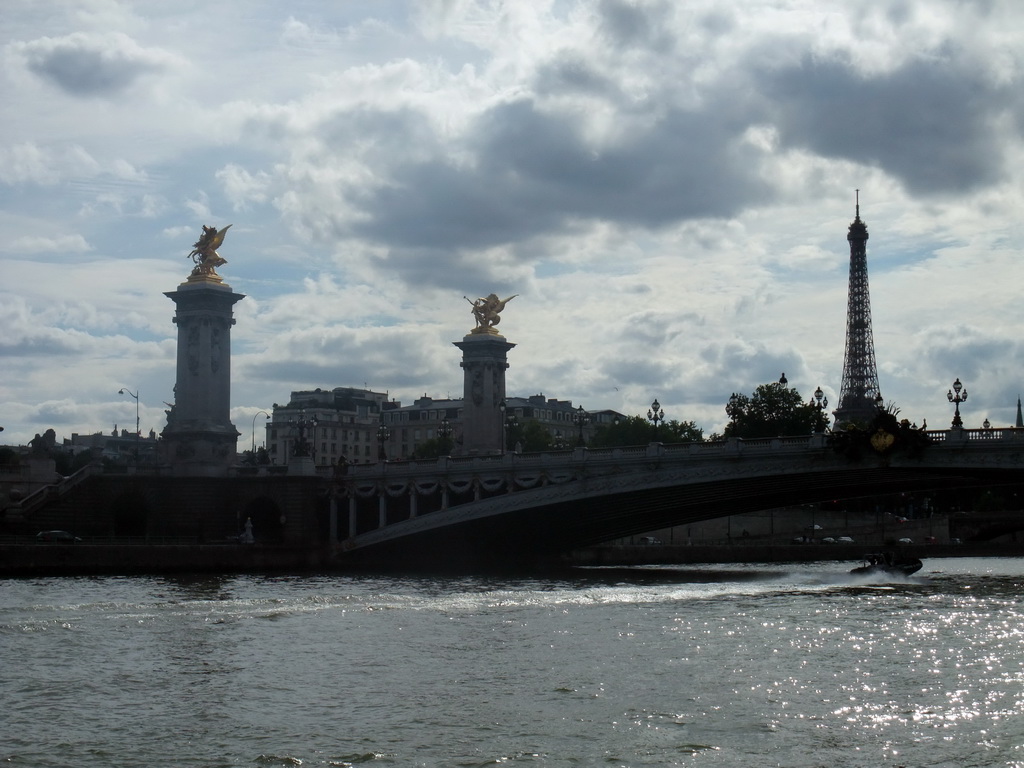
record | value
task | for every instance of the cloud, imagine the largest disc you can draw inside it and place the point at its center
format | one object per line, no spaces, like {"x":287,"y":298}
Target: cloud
{"x":44,"y":244}
{"x":92,"y":64}
{"x":28,"y":162}
{"x":242,"y":187}
{"x":931,"y":123}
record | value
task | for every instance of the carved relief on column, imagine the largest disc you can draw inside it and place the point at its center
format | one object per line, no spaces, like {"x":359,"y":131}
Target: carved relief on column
{"x":215,"y":348}
{"x":192,"y":352}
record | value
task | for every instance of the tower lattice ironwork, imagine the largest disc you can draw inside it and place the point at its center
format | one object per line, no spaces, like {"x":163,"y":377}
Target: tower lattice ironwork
{"x":859,"y":396}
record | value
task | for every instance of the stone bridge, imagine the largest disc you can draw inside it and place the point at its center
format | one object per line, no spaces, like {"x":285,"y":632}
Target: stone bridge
{"x":525,"y":510}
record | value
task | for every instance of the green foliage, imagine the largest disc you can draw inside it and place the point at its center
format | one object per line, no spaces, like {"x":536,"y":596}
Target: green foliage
{"x":533,"y":437}
{"x":428,"y":449}
{"x":774,"y":410}
{"x":636,"y":430}
{"x":434,"y":448}
{"x":9,"y":457}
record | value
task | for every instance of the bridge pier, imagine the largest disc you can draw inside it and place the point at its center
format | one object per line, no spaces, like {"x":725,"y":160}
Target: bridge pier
{"x":353,"y":517}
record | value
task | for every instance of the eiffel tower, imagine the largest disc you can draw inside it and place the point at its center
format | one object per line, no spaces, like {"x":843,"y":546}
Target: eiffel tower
{"x":859,"y":397}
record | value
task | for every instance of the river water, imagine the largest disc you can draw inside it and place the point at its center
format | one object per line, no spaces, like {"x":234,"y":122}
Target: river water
{"x":752,"y":665}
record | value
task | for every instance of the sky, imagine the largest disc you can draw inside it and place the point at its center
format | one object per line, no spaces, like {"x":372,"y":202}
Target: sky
{"x":666,"y":187}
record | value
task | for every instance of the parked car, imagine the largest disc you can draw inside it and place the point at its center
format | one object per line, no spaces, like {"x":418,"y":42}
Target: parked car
{"x":844,"y":540}
{"x":56,"y":536}
{"x":906,"y":541}
{"x":650,"y":540}
{"x":828,"y":540}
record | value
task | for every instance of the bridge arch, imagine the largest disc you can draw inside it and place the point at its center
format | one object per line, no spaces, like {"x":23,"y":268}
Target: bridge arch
{"x":268,"y":519}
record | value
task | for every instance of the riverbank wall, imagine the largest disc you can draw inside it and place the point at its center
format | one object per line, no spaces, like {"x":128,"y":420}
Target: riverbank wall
{"x":30,"y":559}
{"x":78,"y":559}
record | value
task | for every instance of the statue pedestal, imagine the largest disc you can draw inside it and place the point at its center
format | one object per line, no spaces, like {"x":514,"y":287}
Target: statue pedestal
{"x":484,"y":362}
{"x":301,"y":465}
{"x":199,"y":438}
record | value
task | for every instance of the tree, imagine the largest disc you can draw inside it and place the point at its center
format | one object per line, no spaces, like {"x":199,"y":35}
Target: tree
{"x":773,"y":410}
{"x":429,"y":449}
{"x":534,"y":437}
{"x":636,"y":430}
{"x":681,"y":432}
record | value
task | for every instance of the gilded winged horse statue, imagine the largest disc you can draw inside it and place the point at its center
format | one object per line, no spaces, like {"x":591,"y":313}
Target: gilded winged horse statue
{"x":204,"y":252}
{"x":487,"y":312}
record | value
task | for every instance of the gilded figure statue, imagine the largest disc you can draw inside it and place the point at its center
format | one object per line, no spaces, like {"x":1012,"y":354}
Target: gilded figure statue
{"x":204,"y":252}
{"x":487,"y":311}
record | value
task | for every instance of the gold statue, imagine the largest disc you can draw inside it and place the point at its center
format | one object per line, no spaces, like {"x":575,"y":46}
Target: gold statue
{"x":204,"y":252}
{"x":487,"y":311}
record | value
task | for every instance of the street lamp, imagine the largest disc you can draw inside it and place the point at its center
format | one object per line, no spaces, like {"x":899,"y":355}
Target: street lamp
{"x":820,"y":402}
{"x":580,"y":418}
{"x":383,"y":435}
{"x":733,"y":409}
{"x":254,"y":431}
{"x":655,"y":414}
{"x":957,"y":399}
{"x":444,"y":434}
{"x":135,"y":394}
{"x":502,"y":405}
{"x":511,"y":424}
{"x":303,"y":447}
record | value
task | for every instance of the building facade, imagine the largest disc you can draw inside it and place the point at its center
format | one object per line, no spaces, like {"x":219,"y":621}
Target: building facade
{"x":339,"y":424}
{"x":408,"y":427}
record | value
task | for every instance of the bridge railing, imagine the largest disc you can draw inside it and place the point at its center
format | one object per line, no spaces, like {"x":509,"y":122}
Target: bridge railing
{"x":950,"y":436}
{"x":516,"y":462}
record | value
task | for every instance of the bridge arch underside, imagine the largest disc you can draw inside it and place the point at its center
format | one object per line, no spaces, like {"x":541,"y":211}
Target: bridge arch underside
{"x":528,"y":529}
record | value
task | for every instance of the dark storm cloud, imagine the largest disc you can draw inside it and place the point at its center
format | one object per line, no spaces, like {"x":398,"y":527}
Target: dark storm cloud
{"x":535,"y":174}
{"x":928,"y":123}
{"x":628,"y":25}
{"x":88,"y":65}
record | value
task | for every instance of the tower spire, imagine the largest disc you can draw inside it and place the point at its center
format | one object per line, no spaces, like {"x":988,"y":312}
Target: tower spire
{"x":860,"y":390}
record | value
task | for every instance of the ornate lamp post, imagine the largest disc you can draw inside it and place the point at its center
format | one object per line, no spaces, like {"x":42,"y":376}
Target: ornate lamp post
{"x":511,"y":424}
{"x":502,"y":406}
{"x":254,"y":431}
{"x":383,"y":435}
{"x":820,"y":402}
{"x":304,"y":447}
{"x":655,"y":414}
{"x":957,"y":398}
{"x":986,"y":424}
{"x":135,"y":394}
{"x":444,"y":435}
{"x":733,"y":409}
{"x":580,"y":418}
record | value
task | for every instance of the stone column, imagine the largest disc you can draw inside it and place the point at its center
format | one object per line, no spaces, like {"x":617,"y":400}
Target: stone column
{"x":484,"y":362}
{"x":199,"y":438}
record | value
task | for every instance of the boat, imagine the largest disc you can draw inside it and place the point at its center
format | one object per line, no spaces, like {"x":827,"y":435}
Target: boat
{"x":887,"y":564}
